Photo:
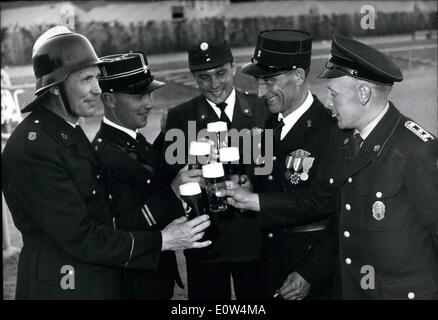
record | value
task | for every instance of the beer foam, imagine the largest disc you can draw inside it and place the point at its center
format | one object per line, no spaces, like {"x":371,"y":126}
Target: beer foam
{"x":189,"y":189}
{"x":198,"y":148}
{"x":229,"y":154}
{"x":218,"y":126}
{"x":213,"y":170}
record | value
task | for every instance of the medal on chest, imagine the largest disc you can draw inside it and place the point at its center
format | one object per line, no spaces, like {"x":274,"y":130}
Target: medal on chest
{"x":298,"y":164}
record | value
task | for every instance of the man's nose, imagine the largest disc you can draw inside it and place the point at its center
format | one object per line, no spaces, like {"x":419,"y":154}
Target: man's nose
{"x":95,"y":89}
{"x":214,"y":82}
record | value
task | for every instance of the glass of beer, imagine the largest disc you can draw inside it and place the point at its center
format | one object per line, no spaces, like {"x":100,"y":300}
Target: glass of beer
{"x":218,"y":127}
{"x":230,"y":159}
{"x":214,"y":177}
{"x":199,"y":149}
{"x":191,"y":193}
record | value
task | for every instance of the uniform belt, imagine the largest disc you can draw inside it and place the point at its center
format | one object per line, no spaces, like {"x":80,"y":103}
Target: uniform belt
{"x":316,"y":226}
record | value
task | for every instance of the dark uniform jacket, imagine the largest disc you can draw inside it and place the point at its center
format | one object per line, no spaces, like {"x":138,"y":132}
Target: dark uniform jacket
{"x":237,"y":237}
{"x":142,"y":202}
{"x":55,"y":188}
{"x":387,"y":207}
{"x":310,"y":253}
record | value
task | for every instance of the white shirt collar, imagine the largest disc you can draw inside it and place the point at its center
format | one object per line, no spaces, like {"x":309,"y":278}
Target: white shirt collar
{"x":73,"y":124}
{"x":292,"y":118}
{"x":365,"y":132}
{"x":132,"y":133}
{"x":229,"y":109}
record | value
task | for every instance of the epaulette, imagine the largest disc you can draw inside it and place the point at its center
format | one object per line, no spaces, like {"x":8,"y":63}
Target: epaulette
{"x":416,"y":129}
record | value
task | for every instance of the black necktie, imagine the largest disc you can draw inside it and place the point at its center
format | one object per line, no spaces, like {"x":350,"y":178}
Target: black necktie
{"x":357,"y":142}
{"x":277,"y":130}
{"x":140,"y":138}
{"x":224,"y":116}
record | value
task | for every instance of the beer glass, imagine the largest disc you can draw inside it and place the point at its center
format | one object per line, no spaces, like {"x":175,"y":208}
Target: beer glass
{"x":214,"y":177}
{"x":218,"y":127}
{"x":198,"y":148}
{"x":191,"y":193}
{"x":230,"y":159}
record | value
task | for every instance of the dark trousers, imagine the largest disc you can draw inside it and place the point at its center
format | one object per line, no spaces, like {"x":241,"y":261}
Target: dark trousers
{"x":212,"y":280}
{"x":143,"y":285}
{"x":312,"y":254}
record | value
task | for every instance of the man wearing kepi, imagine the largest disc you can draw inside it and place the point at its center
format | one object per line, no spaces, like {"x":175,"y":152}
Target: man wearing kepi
{"x":299,"y":260}
{"x":55,"y":187}
{"x":237,"y":242}
{"x":381,"y":175}
{"x":142,"y":199}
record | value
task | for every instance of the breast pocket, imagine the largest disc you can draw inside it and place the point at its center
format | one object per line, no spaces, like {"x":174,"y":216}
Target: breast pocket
{"x":382,"y":206}
{"x":420,"y":287}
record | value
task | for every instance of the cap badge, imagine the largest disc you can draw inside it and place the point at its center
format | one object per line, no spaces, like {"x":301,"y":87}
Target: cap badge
{"x":204,"y":46}
{"x":31,"y":136}
{"x":378,"y":210}
{"x":298,"y":160}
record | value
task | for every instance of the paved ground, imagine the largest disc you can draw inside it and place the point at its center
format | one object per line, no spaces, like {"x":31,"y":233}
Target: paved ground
{"x":416,"y":96}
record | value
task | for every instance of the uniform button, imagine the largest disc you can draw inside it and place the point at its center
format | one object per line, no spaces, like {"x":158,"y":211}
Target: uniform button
{"x":379,"y":194}
{"x":270,"y":235}
{"x":350,"y":180}
{"x":98,"y":176}
{"x":110,"y":197}
{"x":270,"y":178}
{"x":37,"y":121}
{"x":148,"y":181}
{"x":411,"y":295}
{"x":347,"y":207}
{"x":348,"y":261}
{"x":274,"y":158}
{"x":347,"y":234}
{"x":331,"y":180}
{"x":94,"y":191}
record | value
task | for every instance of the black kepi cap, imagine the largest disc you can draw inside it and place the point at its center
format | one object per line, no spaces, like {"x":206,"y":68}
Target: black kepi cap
{"x":279,"y":51}
{"x":208,"y":55}
{"x":352,"y":58}
{"x":127,"y":73}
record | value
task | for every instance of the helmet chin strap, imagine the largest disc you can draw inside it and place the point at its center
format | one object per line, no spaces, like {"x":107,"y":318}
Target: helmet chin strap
{"x":65,"y":101}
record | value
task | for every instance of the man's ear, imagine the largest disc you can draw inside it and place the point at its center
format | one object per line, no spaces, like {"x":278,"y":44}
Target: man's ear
{"x":233,"y":68}
{"x":299,"y":76}
{"x":54,"y":90}
{"x":109,"y":100}
{"x":364,"y":93}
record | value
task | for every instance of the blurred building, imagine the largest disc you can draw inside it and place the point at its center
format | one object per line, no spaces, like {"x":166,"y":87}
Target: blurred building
{"x":31,"y":13}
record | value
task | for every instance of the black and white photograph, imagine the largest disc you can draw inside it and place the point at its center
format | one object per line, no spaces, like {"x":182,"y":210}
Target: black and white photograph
{"x":221,"y":156}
